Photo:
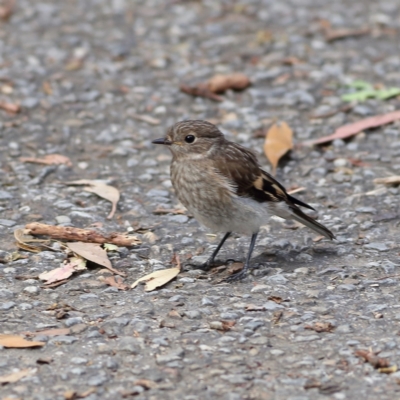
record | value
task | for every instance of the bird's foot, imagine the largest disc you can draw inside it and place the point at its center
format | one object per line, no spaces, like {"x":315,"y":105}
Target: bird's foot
{"x":238,"y":276}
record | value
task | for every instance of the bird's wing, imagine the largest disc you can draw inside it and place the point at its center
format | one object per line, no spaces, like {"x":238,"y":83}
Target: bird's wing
{"x":240,"y":166}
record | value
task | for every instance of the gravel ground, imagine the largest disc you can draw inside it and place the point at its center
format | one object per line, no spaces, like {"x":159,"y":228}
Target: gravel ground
{"x":83,"y":71}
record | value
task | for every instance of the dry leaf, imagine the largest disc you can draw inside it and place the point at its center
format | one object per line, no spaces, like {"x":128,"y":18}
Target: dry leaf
{"x":95,"y":253}
{"x":221,"y":83}
{"x":336,"y":34}
{"x":278,"y":142}
{"x":145,"y":118}
{"x":116,"y":282}
{"x":388,"y":370}
{"x":372,"y":358}
{"x":321,"y":327}
{"x":15,"y":341}
{"x":253,"y":307}
{"x":276,"y":299}
{"x":16,"y":376}
{"x":7,"y":10}
{"x":65,"y":271}
{"x":107,"y":192}
{"x":46,"y":87}
{"x":10,"y":107}
{"x":200,"y":90}
{"x":349,"y":130}
{"x":49,"y":159}
{"x":157,"y":278}
{"x":390,"y":180}
{"x":175,"y":211}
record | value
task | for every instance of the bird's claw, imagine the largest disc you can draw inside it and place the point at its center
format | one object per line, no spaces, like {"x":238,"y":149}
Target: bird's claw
{"x":236,"y":277}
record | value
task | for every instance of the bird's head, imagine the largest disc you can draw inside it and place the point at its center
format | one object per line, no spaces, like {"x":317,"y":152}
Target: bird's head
{"x":191,"y":139}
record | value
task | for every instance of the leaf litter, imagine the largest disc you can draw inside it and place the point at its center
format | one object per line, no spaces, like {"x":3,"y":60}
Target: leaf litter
{"x":74,"y":264}
{"x":16,"y":376}
{"x":159,"y":278}
{"x":278,"y":141}
{"x":349,"y":130}
{"x":49,"y":159}
{"x":103,"y":190}
{"x":16,"y":341}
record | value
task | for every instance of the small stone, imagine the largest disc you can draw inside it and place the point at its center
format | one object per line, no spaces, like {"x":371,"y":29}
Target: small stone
{"x":193,"y":314}
{"x":63,"y":340}
{"x":97,"y":380}
{"x":7,"y":222}
{"x":88,"y":296}
{"x":277,"y":352}
{"x":130,"y":345}
{"x":78,"y":360}
{"x":7,"y":306}
{"x":32,"y":289}
{"x":376,"y":246}
{"x":277,"y":279}
{"x":272,"y":306}
{"x":63,"y":219}
{"x":180,"y":219}
{"x":73,"y":321}
{"x":347,"y":287}
{"x":309,"y":338}
{"x":340,"y":162}
{"x":6,"y":294}
{"x":260,"y":288}
{"x":174,"y":355}
{"x":25,"y":306}
{"x":5,"y":195}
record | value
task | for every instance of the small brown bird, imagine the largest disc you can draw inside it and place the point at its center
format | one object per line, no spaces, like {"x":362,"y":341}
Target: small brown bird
{"x":222,"y":184}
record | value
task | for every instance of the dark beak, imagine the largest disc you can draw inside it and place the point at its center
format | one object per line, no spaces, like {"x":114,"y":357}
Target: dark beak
{"x":162,"y":141}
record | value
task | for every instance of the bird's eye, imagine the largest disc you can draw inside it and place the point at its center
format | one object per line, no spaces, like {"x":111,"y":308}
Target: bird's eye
{"x":189,"y":139}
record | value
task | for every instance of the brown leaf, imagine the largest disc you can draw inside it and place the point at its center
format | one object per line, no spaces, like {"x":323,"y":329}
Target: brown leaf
{"x":175,"y":211}
{"x":46,"y":87}
{"x":16,"y":376}
{"x":221,"y":83}
{"x":145,"y":383}
{"x":253,"y":307}
{"x":15,"y":341}
{"x":116,"y":282}
{"x":157,"y":278}
{"x":74,"y":64}
{"x":278,"y":142}
{"x":95,"y":253}
{"x":321,"y":327}
{"x":49,"y":159}
{"x":145,"y":118}
{"x":107,"y":192}
{"x":10,"y":107}
{"x":7,"y":10}
{"x":390,"y":180}
{"x":276,"y":299}
{"x":336,"y":34}
{"x":372,"y":358}
{"x":65,"y":271}
{"x":200,"y":90}
{"x":349,"y":130}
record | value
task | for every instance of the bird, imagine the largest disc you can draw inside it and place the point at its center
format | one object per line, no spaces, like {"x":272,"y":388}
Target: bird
{"x":223,"y":186}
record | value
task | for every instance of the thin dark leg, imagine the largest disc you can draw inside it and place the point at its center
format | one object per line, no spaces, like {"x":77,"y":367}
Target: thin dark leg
{"x":210,"y":261}
{"x":240,"y":275}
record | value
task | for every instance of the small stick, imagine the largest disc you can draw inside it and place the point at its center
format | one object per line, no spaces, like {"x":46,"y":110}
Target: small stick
{"x":71,"y":234}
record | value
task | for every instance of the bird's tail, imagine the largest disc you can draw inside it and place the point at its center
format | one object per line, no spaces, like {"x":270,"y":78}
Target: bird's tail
{"x":293,"y":212}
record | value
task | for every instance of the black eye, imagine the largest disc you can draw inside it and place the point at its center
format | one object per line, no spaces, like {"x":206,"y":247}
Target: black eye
{"x":189,"y":139}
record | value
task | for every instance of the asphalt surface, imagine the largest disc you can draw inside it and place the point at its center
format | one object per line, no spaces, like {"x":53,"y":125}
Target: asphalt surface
{"x":97,"y":81}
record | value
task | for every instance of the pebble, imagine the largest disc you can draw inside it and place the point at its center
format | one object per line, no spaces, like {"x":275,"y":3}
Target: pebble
{"x":7,"y":306}
{"x":58,"y":340}
{"x":4,"y":195}
{"x":32,"y":290}
{"x":63,"y":219}
{"x":7,"y":222}
{"x":376,"y":246}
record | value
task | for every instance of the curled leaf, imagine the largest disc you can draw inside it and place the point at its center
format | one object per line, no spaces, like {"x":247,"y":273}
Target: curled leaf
{"x":16,"y":341}
{"x":278,"y":142}
{"x":103,"y":190}
{"x":157,"y":278}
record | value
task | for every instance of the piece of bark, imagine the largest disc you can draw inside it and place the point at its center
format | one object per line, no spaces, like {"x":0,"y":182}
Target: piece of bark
{"x":71,"y":234}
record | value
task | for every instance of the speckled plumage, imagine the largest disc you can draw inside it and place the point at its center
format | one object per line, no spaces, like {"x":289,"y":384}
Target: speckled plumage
{"x":223,"y":186}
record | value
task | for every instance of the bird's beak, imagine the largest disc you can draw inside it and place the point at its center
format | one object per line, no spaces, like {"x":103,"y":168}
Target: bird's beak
{"x":164,"y":141}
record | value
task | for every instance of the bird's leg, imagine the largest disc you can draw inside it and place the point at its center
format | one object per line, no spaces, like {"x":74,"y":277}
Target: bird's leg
{"x":210,"y":261}
{"x":241,"y":274}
